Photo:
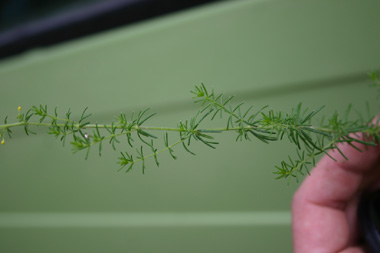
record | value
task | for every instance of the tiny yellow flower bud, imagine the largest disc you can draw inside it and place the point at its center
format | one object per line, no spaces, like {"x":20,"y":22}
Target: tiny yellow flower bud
{"x":3,"y":142}
{"x":19,"y":108}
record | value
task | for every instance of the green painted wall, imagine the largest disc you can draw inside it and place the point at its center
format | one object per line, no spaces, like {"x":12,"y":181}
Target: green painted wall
{"x":275,"y":53}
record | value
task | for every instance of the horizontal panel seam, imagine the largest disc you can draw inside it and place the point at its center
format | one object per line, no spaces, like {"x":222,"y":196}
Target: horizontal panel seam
{"x":194,"y":219}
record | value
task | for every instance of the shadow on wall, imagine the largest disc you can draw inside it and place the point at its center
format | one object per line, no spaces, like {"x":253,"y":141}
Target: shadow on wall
{"x":261,"y":93}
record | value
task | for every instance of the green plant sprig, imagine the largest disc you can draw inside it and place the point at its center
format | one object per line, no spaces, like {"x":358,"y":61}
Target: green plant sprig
{"x":264,"y":124}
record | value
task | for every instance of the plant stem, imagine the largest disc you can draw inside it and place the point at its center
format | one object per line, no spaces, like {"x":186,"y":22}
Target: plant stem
{"x":136,"y":127}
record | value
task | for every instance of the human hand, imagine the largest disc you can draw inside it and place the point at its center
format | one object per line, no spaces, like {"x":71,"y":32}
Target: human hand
{"x":324,"y":208}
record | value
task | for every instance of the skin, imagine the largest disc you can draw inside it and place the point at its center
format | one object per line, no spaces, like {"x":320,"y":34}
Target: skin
{"x":324,"y":207}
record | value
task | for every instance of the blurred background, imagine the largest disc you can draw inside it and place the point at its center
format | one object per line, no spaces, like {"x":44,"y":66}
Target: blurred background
{"x":26,"y":24}
{"x":125,"y":56}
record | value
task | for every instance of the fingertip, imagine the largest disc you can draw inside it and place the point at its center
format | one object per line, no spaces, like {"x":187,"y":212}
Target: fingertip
{"x":359,"y":159}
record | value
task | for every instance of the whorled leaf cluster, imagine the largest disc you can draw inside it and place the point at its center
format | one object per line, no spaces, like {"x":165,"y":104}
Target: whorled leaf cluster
{"x":266,"y":125}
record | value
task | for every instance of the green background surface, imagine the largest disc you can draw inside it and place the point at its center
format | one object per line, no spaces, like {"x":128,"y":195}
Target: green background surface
{"x":276,"y":53}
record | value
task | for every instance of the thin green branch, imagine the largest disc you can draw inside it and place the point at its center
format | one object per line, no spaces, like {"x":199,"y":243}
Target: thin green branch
{"x":263,"y":124}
